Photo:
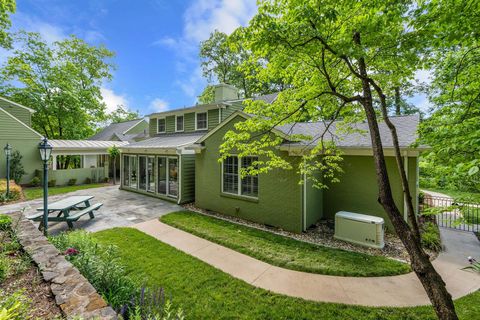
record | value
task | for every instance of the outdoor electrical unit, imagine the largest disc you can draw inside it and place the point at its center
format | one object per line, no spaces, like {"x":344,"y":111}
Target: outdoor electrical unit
{"x":360,"y":229}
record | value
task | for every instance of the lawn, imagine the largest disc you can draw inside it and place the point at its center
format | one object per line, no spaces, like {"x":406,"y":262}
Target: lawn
{"x":207,"y":293}
{"x":468,"y":196}
{"x":37,"y":192}
{"x":283,"y":251}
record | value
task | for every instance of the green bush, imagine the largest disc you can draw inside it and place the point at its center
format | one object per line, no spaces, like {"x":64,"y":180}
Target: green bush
{"x":5,"y":222}
{"x":431,"y":236}
{"x":16,"y":167}
{"x":14,"y":306}
{"x":72,"y":182}
{"x":4,"y":267}
{"x":35,"y":181}
{"x":88,"y":180}
{"x":15,"y":191}
{"x":52,"y":183}
{"x":106,"y":179}
{"x":99,"y":264}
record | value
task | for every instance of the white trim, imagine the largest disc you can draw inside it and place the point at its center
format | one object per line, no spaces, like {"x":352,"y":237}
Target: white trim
{"x":24,"y":124}
{"x":351,"y":151}
{"x":196,"y":127}
{"x":136,"y":124}
{"x":165,"y":119}
{"x":179,"y":179}
{"x":17,"y":104}
{"x":198,"y":108}
{"x":183,"y":123}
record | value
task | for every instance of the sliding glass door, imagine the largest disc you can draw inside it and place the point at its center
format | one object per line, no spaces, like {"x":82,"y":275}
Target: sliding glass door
{"x":126,"y":170}
{"x":133,"y":172}
{"x":142,"y":173}
{"x":167,"y":181}
{"x":151,"y":174}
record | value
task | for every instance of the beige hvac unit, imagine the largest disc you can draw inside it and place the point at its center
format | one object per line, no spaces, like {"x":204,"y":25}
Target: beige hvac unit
{"x":360,"y":229}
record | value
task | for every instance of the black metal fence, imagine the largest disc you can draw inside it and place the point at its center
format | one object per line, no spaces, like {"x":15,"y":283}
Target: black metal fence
{"x":451,"y":213}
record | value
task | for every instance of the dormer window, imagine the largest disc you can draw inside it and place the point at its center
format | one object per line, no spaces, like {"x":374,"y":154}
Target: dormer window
{"x":161,"y":127}
{"x":179,"y":123}
{"x":201,"y":122}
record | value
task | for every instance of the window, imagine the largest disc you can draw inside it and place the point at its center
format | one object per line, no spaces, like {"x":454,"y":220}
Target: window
{"x":161,"y":125}
{"x":126,"y":170}
{"x":233,"y":183}
{"x":201,"y":121}
{"x":179,"y":124}
{"x":133,"y":172}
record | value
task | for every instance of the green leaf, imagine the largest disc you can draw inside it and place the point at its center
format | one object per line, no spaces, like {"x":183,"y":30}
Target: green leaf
{"x":473,"y":170}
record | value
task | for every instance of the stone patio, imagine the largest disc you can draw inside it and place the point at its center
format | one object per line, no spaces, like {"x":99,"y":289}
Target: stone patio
{"x":120,"y":209}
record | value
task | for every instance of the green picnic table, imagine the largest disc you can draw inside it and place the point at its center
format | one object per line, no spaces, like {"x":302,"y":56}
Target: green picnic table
{"x":67,"y":210}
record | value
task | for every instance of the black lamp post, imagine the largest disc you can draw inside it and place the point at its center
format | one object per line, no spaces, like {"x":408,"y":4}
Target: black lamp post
{"x":8,"y":153}
{"x":45,"y":152}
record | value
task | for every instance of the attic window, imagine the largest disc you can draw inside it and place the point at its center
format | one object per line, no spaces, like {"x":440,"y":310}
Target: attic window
{"x":161,"y":125}
{"x":201,"y":121}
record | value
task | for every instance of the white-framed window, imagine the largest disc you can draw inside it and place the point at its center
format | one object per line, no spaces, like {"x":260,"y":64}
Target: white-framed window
{"x":161,"y":125}
{"x":179,"y":120}
{"x":233,"y":183}
{"x":201,"y":121}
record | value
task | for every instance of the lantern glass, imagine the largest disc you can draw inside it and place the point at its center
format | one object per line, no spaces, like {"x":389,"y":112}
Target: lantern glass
{"x":8,"y":150}
{"x":45,"y":149}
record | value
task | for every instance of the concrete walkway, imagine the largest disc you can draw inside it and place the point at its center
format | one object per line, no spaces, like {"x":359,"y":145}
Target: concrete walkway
{"x":396,"y":291}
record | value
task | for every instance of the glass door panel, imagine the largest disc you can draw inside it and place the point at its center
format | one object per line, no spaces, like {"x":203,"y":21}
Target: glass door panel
{"x":142,"y":170}
{"x":173,"y":177}
{"x":162,"y":175}
{"x":151,"y":174}
{"x":126,"y":170}
{"x":133,"y":172}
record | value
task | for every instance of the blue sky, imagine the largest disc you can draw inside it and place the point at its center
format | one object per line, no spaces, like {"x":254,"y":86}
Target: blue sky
{"x":155,"y":42}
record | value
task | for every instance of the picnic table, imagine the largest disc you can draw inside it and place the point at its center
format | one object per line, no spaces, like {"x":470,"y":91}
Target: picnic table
{"x":67,"y":210}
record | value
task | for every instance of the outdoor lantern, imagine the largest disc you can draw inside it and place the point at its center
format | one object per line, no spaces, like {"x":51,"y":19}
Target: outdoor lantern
{"x":45,"y":149}
{"x":8,"y":150}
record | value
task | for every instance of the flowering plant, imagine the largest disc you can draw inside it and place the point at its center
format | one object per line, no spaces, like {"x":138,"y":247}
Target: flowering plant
{"x":71,"y":252}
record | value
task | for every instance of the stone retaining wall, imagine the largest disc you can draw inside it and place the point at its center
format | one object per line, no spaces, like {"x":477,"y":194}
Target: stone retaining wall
{"x":73,"y":293}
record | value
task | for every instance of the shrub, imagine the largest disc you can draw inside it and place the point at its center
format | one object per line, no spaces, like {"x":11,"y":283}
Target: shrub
{"x":16,"y":166}
{"x":421,"y":197}
{"x":35,"y":181}
{"x":14,"y":306}
{"x":431,"y":236}
{"x":72,"y":182}
{"x":4,"y":267}
{"x":150,"y":304}
{"x":99,"y":264}
{"x":88,"y":180}
{"x":106,"y":179}
{"x":5,"y":222}
{"x":52,"y":183}
{"x":15,"y":191}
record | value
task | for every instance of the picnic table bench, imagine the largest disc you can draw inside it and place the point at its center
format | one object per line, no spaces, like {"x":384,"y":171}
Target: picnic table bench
{"x":68,"y":210}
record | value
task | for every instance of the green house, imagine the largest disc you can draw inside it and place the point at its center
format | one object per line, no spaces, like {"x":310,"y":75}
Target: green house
{"x":180,"y":163}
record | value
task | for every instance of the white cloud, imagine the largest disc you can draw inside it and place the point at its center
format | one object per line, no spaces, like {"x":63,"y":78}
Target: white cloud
{"x":159,"y":105}
{"x":112,"y":100}
{"x":423,"y":76}
{"x":199,"y":20}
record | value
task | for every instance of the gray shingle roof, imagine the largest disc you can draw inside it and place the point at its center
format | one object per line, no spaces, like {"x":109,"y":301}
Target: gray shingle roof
{"x":168,"y":141}
{"x":406,"y":129}
{"x":116,"y":129}
{"x":268,"y":98}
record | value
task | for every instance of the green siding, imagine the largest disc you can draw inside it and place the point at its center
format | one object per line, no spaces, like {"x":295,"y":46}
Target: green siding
{"x":139,"y":128}
{"x":188,"y":178}
{"x":21,"y":114}
{"x":357,"y":190}
{"x":280,"y":195}
{"x":313,"y":203}
{"x":189,"y":122}
{"x":152,"y":127}
{"x":413,"y":180}
{"x":235,"y":106}
{"x":170,"y":124}
{"x":212,"y":118}
{"x":22,"y":139}
{"x":62,"y":177}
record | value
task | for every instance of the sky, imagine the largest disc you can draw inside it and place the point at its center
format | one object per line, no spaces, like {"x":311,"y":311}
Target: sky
{"x":156,"y":43}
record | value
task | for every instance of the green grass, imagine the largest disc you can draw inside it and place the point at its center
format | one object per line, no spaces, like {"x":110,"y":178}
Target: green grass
{"x":283,"y":251}
{"x":37,"y":192}
{"x":204,"y":292}
{"x":470,"y":196}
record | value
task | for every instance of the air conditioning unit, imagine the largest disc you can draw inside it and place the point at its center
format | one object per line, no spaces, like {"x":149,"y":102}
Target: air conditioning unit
{"x":360,"y":229}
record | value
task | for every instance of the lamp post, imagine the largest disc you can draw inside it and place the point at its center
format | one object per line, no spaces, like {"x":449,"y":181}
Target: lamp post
{"x":8,"y":153}
{"x":45,"y":152}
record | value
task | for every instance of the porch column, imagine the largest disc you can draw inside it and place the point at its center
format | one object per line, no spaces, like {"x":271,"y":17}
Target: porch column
{"x":54,"y":162}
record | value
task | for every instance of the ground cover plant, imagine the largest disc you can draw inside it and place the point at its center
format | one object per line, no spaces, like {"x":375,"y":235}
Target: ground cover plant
{"x":207,"y":293}
{"x":15,"y":191}
{"x":37,"y":192}
{"x":283,"y":251}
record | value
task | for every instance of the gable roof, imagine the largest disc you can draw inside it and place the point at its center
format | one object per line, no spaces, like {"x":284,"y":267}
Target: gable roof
{"x":23,"y":124}
{"x":16,"y":104}
{"x":118,"y":130}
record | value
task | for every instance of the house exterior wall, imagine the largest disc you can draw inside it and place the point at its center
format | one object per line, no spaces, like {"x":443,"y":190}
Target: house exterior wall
{"x":187,"y":176}
{"x":279,"y":200}
{"x":62,"y":177}
{"x":23,"y":139}
{"x":313,"y":203}
{"x":139,"y":128}
{"x":21,"y":114}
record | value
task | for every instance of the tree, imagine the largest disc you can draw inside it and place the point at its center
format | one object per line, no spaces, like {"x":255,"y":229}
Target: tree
{"x":114,"y":152}
{"x":61,"y":82}
{"x":123,"y":114}
{"x":16,"y":167}
{"x":6,"y":8}
{"x":207,"y":96}
{"x":343,"y":59}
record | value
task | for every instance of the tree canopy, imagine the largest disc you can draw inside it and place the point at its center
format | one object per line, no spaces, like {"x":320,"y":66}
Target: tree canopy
{"x":7,"y":7}
{"x":60,"y":81}
{"x":122,"y":113}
